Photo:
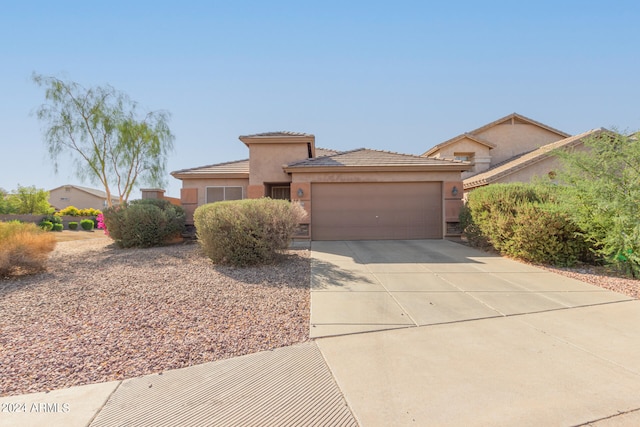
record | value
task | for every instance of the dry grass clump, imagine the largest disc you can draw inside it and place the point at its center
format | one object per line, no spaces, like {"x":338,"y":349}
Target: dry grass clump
{"x":24,"y":248}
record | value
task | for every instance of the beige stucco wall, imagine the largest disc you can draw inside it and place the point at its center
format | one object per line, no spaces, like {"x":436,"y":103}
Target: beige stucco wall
{"x":266,"y":161}
{"x":60,"y":199}
{"x":481,"y":155}
{"x":464,"y":145}
{"x":514,"y":139}
{"x":540,"y":169}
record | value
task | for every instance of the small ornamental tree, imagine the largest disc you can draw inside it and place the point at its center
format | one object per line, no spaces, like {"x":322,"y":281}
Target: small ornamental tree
{"x":112,"y":143}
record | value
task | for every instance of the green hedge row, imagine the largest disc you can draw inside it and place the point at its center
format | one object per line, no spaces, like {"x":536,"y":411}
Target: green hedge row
{"x":524,"y":221}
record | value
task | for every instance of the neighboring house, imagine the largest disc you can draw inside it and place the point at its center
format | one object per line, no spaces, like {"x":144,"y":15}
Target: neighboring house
{"x":536,"y":163}
{"x":511,"y":149}
{"x":80,"y":197}
{"x":351,"y":195}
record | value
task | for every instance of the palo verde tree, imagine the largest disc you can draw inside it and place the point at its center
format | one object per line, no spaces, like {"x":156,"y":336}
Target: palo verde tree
{"x":604,"y":192}
{"x":110,"y":142}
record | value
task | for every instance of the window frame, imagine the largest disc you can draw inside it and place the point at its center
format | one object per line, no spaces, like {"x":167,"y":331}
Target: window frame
{"x":224,"y":192}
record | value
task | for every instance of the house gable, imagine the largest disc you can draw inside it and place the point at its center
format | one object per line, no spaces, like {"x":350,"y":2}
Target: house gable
{"x":268,"y":152}
{"x":496,"y":142}
{"x":539,"y":162}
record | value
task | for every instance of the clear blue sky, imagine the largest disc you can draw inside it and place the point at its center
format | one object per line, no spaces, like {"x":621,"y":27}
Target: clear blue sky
{"x":394,"y":75}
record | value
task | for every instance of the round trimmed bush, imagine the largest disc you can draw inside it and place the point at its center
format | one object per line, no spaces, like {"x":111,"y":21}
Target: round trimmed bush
{"x":46,"y":225}
{"x":58,"y":227}
{"x":246,"y":232}
{"x":73,"y":226}
{"x":86,"y":224}
{"x":144,"y":223}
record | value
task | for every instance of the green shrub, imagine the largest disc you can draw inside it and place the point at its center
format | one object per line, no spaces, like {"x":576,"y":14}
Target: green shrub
{"x":54,"y":219}
{"x":144,"y":223}
{"x":245,"y":232}
{"x":57,"y":227}
{"x":73,"y":226}
{"x":87,"y":224}
{"x":46,"y":225}
{"x":524,"y":221}
{"x":24,"y":248}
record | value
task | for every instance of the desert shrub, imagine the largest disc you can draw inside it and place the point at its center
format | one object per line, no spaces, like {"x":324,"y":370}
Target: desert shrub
{"x":144,"y":223}
{"x":86,"y":224}
{"x":23,"y":247}
{"x":73,"y":225}
{"x":70,"y":211}
{"x":245,"y":232}
{"x":57,"y":227}
{"x":46,"y":225}
{"x":524,"y":221}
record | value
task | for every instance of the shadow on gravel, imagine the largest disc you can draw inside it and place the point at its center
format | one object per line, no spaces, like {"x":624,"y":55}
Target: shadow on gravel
{"x":290,"y":269}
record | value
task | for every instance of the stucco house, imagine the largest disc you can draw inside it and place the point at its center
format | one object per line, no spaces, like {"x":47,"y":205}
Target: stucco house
{"x":80,"y":197}
{"x":359,"y":194}
{"x":514,"y":148}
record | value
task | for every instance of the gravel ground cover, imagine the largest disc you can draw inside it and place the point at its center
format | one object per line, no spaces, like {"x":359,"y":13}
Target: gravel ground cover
{"x":602,"y":277}
{"x":100,"y":313}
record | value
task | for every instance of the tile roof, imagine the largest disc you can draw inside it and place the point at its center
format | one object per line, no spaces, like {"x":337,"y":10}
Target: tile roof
{"x":521,"y":118}
{"x":279,"y":133}
{"x":233,"y":167}
{"x":364,"y":157}
{"x":522,"y":161}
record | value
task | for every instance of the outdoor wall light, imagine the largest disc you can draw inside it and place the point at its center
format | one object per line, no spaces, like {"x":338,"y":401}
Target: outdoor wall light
{"x":454,"y":191}
{"x":300,"y":192}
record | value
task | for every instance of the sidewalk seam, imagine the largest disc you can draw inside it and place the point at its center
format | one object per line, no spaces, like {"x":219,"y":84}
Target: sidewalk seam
{"x":607,"y":418}
{"x":104,"y":404}
{"x":335,"y":381}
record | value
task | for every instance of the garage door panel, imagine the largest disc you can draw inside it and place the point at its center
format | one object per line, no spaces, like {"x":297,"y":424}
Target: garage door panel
{"x":355,"y":211}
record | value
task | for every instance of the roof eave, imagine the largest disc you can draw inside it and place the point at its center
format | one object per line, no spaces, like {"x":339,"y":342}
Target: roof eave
{"x":281,"y":139}
{"x":393,"y":168}
{"x":206,"y":175}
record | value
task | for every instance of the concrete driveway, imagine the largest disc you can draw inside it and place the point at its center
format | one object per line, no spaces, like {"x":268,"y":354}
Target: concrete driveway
{"x":499,"y":344}
{"x":364,"y":286}
{"x":507,"y":344}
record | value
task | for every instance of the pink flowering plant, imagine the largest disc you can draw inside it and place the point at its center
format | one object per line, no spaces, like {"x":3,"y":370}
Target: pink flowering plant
{"x":101,"y":224}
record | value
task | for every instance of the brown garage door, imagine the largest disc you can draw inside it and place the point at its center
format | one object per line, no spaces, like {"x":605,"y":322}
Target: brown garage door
{"x":372,"y":211}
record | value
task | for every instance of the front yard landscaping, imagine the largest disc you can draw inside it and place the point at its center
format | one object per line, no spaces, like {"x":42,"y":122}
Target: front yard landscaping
{"x":100,"y":313}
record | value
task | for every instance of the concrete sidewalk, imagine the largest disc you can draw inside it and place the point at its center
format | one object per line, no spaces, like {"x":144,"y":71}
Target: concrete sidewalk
{"x":452,"y":336}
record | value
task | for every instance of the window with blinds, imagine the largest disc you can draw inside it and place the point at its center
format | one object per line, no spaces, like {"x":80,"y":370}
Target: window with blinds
{"x":219,"y":194}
